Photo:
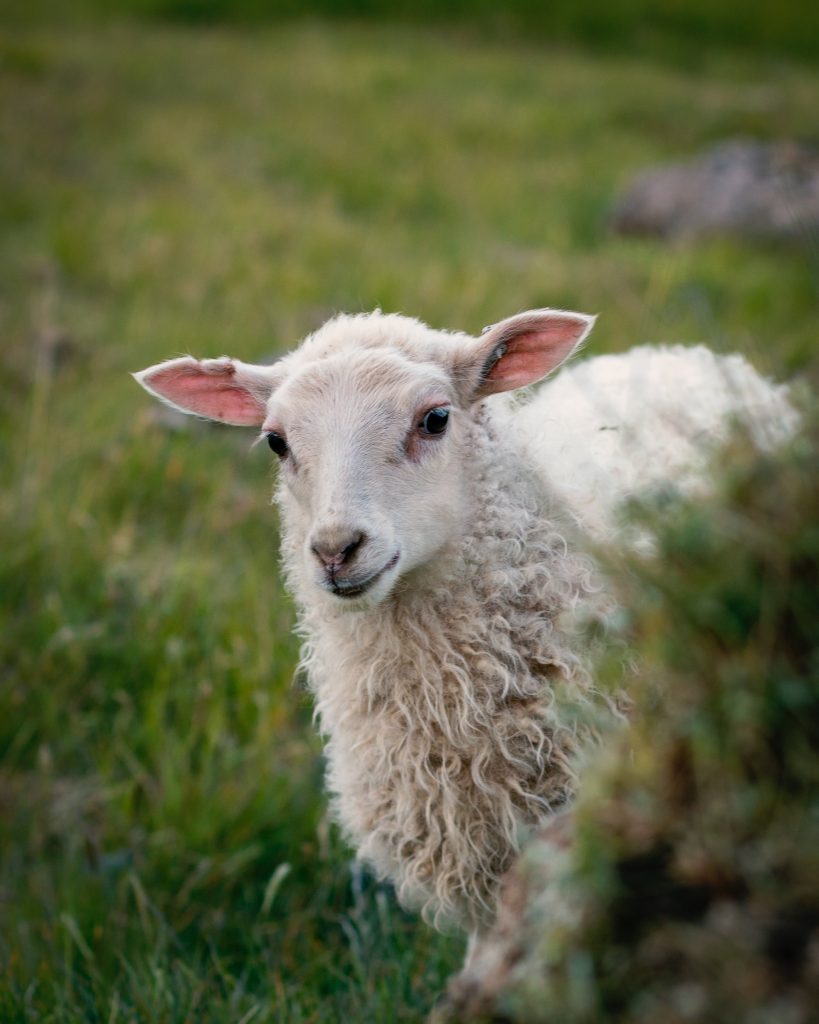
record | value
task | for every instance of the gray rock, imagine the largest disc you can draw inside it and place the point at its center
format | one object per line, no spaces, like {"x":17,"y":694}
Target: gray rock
{"x":746,"y":188}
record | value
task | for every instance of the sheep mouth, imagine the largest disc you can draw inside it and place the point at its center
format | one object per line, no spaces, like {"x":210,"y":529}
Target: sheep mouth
{"x":356,"y":588}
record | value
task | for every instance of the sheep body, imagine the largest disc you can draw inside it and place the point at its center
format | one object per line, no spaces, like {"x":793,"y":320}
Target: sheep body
{"x":445,"y":739}
{"x":449,"y":681}
{"x":619,"y":426}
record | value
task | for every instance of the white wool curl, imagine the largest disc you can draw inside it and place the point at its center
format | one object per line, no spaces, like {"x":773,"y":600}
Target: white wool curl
{"x":445,"y":744}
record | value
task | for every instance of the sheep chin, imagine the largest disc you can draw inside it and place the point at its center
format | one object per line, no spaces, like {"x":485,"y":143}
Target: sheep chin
{"x":367,"y":594}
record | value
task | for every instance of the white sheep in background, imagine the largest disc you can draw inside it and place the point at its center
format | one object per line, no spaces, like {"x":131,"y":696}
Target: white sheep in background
{"x":425,"y":540}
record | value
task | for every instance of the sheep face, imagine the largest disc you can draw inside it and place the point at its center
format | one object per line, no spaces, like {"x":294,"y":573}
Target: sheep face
{"x":371,"y":476}
{"x":373,"y":421}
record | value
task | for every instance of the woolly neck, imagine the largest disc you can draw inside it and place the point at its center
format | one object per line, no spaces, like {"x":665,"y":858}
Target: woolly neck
{"x":445,"y":736}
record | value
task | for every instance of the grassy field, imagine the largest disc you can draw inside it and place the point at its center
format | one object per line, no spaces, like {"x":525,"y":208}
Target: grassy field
{"x":165,"y":854}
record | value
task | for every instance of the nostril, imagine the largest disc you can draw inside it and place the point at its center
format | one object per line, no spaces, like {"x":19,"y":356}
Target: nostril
{"x":334,"y":551}
{"x":351,"y":548}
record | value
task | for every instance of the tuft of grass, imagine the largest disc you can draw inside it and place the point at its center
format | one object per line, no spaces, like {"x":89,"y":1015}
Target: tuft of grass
{"x":164,"y":849}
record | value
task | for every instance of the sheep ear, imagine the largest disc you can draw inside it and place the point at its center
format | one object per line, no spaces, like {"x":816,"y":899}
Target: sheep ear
{"x":219,"y":389}
{"x":525,"y":348}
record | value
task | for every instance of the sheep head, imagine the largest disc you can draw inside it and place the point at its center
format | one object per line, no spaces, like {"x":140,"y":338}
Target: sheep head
{"x":370,"y":418}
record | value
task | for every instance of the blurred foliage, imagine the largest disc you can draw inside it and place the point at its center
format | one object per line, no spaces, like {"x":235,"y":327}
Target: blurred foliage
{"x":690,"y":891}
{"x":676,"y":28}
{"x":164,"y":853}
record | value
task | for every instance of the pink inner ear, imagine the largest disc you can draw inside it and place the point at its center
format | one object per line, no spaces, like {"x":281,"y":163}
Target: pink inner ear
{"x":535,"y":344}
{"x":209,"y":388}
{"x":525,"y":361}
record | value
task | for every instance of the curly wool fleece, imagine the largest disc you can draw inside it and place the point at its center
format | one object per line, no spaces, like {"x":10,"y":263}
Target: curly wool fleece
{"x":431,"y":568}
{"x":445,"y":742}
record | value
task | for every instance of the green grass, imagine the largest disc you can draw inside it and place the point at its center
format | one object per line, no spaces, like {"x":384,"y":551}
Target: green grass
{"x":170,"y":189}
{"x":679,"y":29}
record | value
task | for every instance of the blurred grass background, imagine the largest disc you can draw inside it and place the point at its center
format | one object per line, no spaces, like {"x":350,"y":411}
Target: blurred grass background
{"x":197,"y":176}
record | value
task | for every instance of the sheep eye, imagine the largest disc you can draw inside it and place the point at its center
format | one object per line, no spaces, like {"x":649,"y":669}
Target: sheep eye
{"x":277,"y":444}
{"x":435,"y":421}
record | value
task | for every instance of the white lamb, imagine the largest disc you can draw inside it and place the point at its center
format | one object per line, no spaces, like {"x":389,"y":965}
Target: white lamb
{"x":425,"y":541}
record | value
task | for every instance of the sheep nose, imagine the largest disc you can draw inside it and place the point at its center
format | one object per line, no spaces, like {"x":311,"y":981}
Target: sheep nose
{"x":334,"y":548}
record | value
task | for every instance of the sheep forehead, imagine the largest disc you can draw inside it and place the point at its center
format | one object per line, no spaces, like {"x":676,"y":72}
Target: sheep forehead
{"x":358,"y":386}
{"x":391,"y":331}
